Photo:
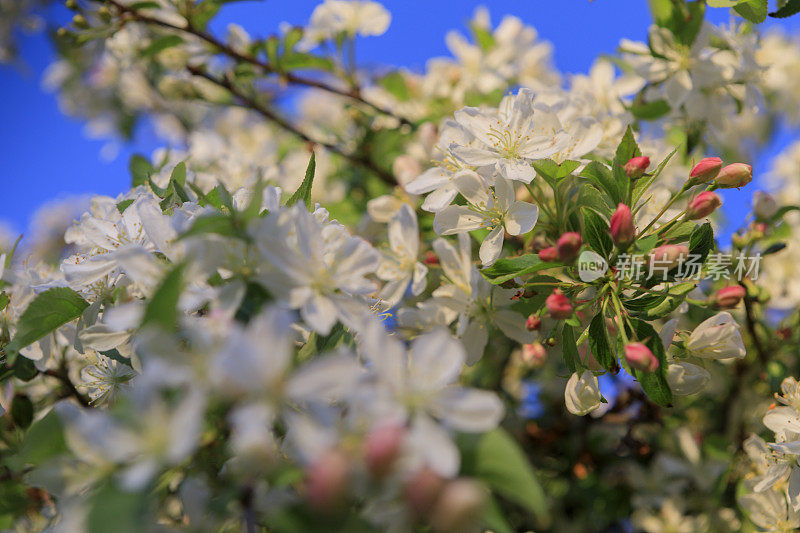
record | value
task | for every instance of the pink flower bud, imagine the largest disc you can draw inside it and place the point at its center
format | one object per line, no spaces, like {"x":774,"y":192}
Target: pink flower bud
{"x":460,"y":506}
{"x":422,"y":490}
{"x":706,"y":170}
{"x":558,"y":305}
{"x":382,"y":447}
{"x":327,"y":479}
{"x":729,"y":297}
{"x":636,"y":167}
{"x":622,"y":230}
{"x":533,"y":323}
{"x":534,"y":354}
{"x":734,"y":175}
{"x":668,"y":255}
{"x":549,"y":254}
{"x":703,"y":205}
{"x":568,"y":246}
{"x":430,"y":258}
{"x":640,"y":357}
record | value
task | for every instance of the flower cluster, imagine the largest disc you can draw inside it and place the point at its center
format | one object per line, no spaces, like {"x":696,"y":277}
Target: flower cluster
{"x":407,"y":301}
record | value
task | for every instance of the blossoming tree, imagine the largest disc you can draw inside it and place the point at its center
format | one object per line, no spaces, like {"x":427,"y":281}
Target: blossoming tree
{"x":480,"y":296}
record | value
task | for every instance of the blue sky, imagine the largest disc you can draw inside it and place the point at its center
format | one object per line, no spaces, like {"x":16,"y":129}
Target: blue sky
{"x":44,"y":154}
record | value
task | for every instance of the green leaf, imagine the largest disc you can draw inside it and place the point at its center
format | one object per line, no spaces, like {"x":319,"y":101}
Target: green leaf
{"x":790,"y":8}
{"x":674,"y":297}
{"x":140,"y":169}
{"x":22,"y":411}
{"x":123,"y":205}
{"x":597,"y":233}
{"x":701,"y":241}
{"x":569,"y":349}
{"x":395,"y":83}
{"x":218,"y":223}
{"x":3,"y":300}
{"x":255,"y":297}
{"x":650,"y":110}
{"x":627,"y":148}
{"x":43,"y":440}
{"x":162,"y":44}
{"x":316,"y":345}
{"x":754,"y":11}
{"x":723,"y":3}
{"x":179,"y":174}
{"x":493,"y":518}
{"x":24,"y":369}
{"x":600,"y":345}
{"x":654,"y":383}
{"x":502,"y":465}
{"x":510,"y":267}
{"x":162,"y":309}
{"x":47,"y":312}
{"x":128,"y":511}
{"x":304,"y":191}
{"x":602,"y":178}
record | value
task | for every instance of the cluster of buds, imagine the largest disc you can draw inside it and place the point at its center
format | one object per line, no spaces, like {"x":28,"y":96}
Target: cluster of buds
{"x":566,"y":248}
{"x":448,"y":505}
{"x":734,"y":175}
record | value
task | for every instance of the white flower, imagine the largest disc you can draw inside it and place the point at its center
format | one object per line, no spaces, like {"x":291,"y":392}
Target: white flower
{"x":717,"y":338}
{"x":349,"y":17}
{"x":510,"y":137}
{"x":400,"y":266}
{"x":492,"y":208}
{"x":582,"y":395}
{"x":422,"y":382}
{"x":316,"y":267}
{"x":438,"y":180}
{"x":685,"y":378}
{"x":772,"y":510}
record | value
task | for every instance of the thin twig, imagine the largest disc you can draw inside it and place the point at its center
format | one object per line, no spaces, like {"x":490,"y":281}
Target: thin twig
{"x":354,"y":94}
{"x":63,"y":377}
{"x":251,"y":103}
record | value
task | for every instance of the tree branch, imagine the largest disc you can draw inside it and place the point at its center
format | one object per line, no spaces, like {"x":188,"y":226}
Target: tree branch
{"x":354,"y":94}
{"x":251,"y":103}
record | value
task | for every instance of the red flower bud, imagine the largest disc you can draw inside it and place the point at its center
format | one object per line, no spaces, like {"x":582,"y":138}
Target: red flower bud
{"x":668,"y":255}
{"x":533,"y":323}
{"x":636,"y":167}
{"x":706,"y":170}
{"x":622,"y":230}
{"x":459,"y":507}
{"x":430,"y":258}
{"x":558,"y":305}
{"x":640,"y":357}
{"x":703,"y":205}
{"x":549,"y":254}
{"x":422,"y":490}
{"x":534,"y":354}
{"x":327,"y":479}
{"x":729,"y":297}
{"x":382,"y":447}
{"x":568,"y":246}
{"x":734,"y":175}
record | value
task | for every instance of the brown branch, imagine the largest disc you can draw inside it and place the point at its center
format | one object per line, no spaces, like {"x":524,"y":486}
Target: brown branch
{"x":750,"y":322}
{"x":354,"y":94}
{"x":63,"y":377}
{"x":251,"y":103}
